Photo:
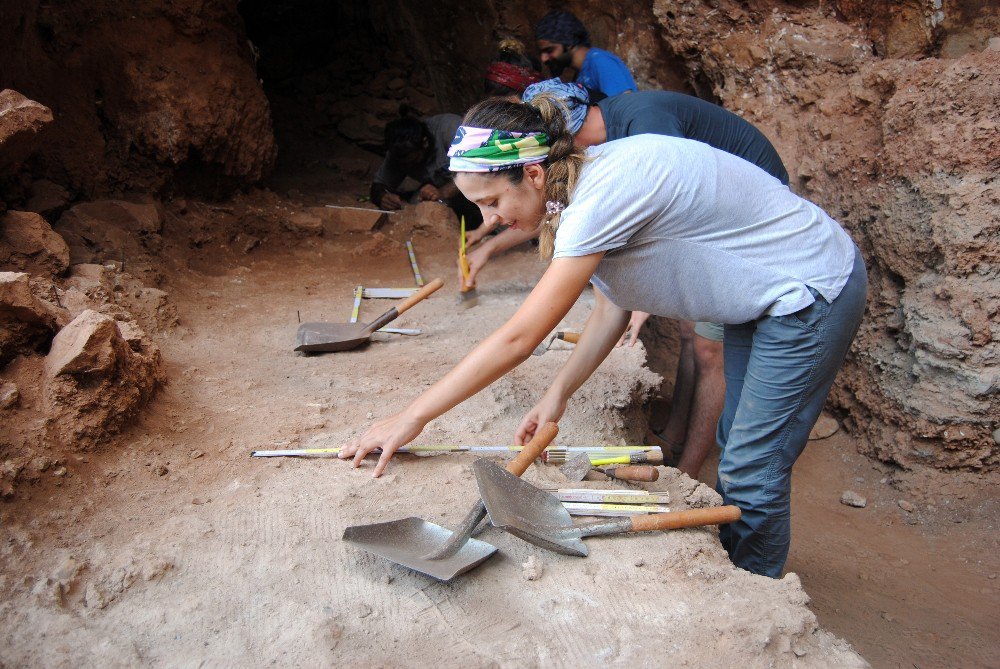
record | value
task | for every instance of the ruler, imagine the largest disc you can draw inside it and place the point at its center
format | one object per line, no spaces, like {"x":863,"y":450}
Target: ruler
{"x":413,"y":264}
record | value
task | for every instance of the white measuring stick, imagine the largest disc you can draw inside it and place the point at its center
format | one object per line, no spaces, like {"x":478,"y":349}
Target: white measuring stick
{"x":588,"y":509}
{"x":433,"y":448}
{"x":413,"y":264}
{"x":615,"y":496}
{"x":356,"y":311}
{"x":401,"y":331}
{"x":388,"y":293}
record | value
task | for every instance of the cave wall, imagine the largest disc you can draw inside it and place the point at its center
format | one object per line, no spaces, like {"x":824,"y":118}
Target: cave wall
{"x":884,"y":112}
{"x":146,"y":95}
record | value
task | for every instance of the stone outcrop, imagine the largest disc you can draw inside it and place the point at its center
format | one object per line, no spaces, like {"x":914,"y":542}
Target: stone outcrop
{"x":27,"y":323}
{"x":96,"y":378}
{"x":114,"y":231}
{"x":21,"y":120}
{"x":28,"y":244}
{"x":150,"y":95}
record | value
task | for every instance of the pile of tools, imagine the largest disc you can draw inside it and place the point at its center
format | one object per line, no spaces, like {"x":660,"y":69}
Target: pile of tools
{"x":535,"y":515}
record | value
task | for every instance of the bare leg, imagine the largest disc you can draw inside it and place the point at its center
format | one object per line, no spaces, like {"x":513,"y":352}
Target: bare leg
{"x":709,"y":396}
{"x":680,"y":404}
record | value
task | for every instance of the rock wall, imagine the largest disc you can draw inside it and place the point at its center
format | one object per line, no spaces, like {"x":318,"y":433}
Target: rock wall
{"x":904,"y":153}
{"x":146,"y":95}
{"x":884,"y":113}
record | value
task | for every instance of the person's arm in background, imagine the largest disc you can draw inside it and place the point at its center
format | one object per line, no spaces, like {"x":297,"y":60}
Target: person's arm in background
{"x":383,"y":198}
{"x":386,"y":179}
{"x":480,"y":255}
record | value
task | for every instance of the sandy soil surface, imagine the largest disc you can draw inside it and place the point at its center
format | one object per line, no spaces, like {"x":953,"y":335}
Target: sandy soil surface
{"x":171,"y":546}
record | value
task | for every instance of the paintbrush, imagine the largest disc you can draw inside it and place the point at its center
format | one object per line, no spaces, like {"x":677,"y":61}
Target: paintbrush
{"x":469,"y":294}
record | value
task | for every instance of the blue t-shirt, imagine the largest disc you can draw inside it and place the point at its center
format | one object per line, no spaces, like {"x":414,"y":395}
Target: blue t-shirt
{"x":678,"y":115}
{"x":605,"y":72}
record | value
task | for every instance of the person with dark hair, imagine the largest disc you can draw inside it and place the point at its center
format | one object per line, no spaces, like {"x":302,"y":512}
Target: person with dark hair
{"x":418,"y":149}
{"x":510,"y":72}
{"x":669,"y":226}
{"x":564,"y":42}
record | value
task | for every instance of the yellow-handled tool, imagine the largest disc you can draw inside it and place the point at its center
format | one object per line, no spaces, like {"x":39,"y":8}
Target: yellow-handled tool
{"x":469,"y":294}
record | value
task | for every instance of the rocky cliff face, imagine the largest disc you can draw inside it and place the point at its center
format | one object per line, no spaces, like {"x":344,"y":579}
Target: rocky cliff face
{"x":885,"y":114}
{"x":146,"y":96}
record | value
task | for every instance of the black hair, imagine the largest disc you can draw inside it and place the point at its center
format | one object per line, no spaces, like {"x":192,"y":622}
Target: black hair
{"x":406,"y":134}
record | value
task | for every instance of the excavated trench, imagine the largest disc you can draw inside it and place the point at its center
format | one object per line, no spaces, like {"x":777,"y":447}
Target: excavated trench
{"x":162,"y":181}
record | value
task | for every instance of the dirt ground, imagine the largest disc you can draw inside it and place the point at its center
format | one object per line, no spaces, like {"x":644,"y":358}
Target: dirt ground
{"x":171,"y":546}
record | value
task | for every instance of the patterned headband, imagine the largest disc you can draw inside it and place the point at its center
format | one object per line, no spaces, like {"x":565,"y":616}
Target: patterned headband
{"x":488,"y":150}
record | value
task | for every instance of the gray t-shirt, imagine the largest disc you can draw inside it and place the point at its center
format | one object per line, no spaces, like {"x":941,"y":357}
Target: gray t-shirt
{"x":434,"y":170}
{"x":696,"y":233}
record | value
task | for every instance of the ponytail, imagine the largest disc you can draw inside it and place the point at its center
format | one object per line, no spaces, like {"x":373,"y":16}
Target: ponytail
{"x":563,"y":165}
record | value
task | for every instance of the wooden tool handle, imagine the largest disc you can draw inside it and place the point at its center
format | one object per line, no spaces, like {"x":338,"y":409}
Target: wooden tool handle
{"x":421,"y":294}
{"x":692,"y":518}
{"x":646,"y":473}
{"x":543,"y":437}
{"x":571,"y":337}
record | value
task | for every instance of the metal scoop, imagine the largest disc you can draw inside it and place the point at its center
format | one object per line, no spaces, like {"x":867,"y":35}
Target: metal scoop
{"x":327,"y":337}
{"x":537,"y":517}
{"x":431,"y":549}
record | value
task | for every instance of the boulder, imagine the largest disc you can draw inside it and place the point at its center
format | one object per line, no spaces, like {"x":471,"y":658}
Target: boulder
{"x":28,"y":244}
{"x":109,"y":229}
{"x":97,"y":379}
{"x":27,"y":323}
{"x":89,"y":345}
{"x":21,"y":120}
{"x":336,"y":219}
{"x":47,"y":198}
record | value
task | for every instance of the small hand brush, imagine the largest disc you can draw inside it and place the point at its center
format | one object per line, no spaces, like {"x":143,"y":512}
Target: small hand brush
{"x":469,"y":294}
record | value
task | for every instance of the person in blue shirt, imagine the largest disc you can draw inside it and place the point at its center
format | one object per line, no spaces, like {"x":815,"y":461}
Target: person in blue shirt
{"x":564,"y":42}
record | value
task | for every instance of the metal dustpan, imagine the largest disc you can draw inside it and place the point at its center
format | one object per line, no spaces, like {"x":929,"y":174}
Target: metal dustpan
{"x":538,"y":517}
{"x":432,"y":549}
{"x":406,"y":541}
{"x":329,"y":337}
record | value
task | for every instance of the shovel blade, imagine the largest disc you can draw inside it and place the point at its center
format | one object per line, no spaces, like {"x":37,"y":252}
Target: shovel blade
{"x":327,"y":337}
{"x":409,"y":540}
{"x":525,"y":511}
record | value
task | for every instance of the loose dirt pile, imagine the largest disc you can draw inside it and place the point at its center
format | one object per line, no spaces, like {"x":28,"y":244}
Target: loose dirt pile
{"x":176,"y":547}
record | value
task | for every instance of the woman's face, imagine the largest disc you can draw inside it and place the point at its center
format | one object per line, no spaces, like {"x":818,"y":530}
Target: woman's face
{"x":520,"y":205}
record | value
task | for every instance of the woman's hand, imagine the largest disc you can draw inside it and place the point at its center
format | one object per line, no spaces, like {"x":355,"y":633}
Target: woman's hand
{"x":388,"y":434}
{"x":635,"y":323}
{"x":549,"y":410}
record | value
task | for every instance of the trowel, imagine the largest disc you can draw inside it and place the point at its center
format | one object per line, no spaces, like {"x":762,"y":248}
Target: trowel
{"x":571,"y":337}
{"x":537,"y":517}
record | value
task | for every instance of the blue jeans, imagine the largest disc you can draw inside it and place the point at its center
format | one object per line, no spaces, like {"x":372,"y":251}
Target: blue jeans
{"x":779,"y":370}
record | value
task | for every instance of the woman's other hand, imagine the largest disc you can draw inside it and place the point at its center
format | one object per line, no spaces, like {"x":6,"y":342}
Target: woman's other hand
{"x":635,"y":323}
